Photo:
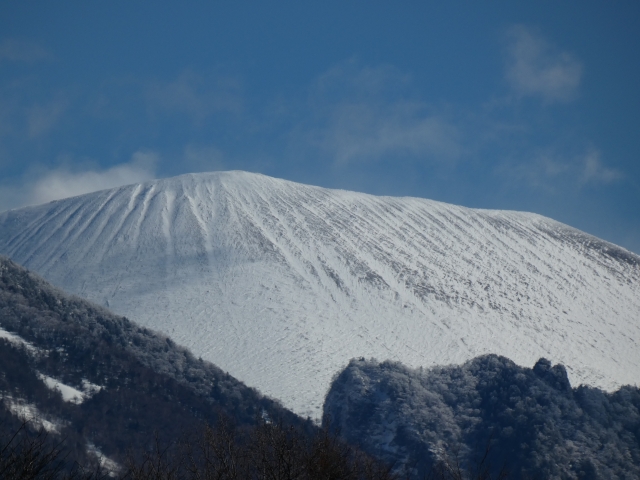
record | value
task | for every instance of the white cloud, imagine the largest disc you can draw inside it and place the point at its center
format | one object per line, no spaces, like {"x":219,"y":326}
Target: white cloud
{"x":534,"y":67}
{"x":63,"y":182}
{"x":550,"y":170}
{"x":541,"y":171}
{"x":15,"y":50}
{"x":595,"y":172}
{"x":358,"y":132}
{"x":364,"y":114}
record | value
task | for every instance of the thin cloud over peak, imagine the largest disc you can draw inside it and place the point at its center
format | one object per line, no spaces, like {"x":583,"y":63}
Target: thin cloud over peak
{"x":63,"y":182}
{"x":535,"y":68}
{"x":367,"y":132}
{"x":550,"y":169}
{"x":362,"y":114}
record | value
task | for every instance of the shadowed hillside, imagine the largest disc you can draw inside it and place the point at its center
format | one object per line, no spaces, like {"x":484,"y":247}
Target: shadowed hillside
{"x":103,"y":382}
{"x":535,"y":424}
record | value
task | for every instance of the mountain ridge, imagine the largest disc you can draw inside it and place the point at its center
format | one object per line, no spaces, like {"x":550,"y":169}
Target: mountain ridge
{"x":281,"y":283}
{"x":528,"y":420}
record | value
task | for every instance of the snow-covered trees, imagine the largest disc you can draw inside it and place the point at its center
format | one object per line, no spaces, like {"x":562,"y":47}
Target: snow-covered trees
{"x":535,"y":423}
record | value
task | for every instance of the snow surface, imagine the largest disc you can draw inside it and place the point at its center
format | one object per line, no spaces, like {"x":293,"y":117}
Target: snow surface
{"x":17,"y":340}
{"x":106,"y":463}
{"x":69,"y":393}
{"x":281,"y":284}
{"x":29,"y":412}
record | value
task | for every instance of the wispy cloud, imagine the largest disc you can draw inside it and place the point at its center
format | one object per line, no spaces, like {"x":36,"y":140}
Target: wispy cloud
{"x":541,"y":172}
{"x":550,"y":170}
{"x":362,"y":132}
{"x":14,"y":50}
{"x":64,"y":182}
{"x":534,"y":67}
{"x":196,"y":95}
{"x":595,"y":172}
{"x":365,"y":114}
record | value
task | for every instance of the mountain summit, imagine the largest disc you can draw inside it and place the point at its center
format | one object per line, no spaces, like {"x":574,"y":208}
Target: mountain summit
{"x":281,"y":284}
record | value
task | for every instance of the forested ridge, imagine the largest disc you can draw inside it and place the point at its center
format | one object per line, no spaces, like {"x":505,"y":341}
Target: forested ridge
{"x":528,"y":420}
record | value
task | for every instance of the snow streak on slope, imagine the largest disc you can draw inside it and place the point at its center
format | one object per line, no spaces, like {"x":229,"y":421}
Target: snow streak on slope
{"x":281,"y":283}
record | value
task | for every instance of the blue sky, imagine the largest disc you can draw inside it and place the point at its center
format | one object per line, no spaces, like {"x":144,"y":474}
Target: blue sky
{"x":529,"y":106}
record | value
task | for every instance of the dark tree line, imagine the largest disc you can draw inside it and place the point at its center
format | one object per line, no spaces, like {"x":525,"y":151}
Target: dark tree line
{"x":267,"y":451}
{"x":28,"y":452}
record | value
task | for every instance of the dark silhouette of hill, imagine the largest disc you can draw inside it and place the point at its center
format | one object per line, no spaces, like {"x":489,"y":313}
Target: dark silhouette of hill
{"x":534,"y":422}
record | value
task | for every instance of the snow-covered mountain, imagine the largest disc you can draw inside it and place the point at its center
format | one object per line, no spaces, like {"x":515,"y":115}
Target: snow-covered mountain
{"x":281,"y":284}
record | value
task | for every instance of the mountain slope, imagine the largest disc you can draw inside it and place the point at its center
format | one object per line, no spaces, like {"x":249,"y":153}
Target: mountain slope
{"x":102,"y":382}
{"x":281,"y":284}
